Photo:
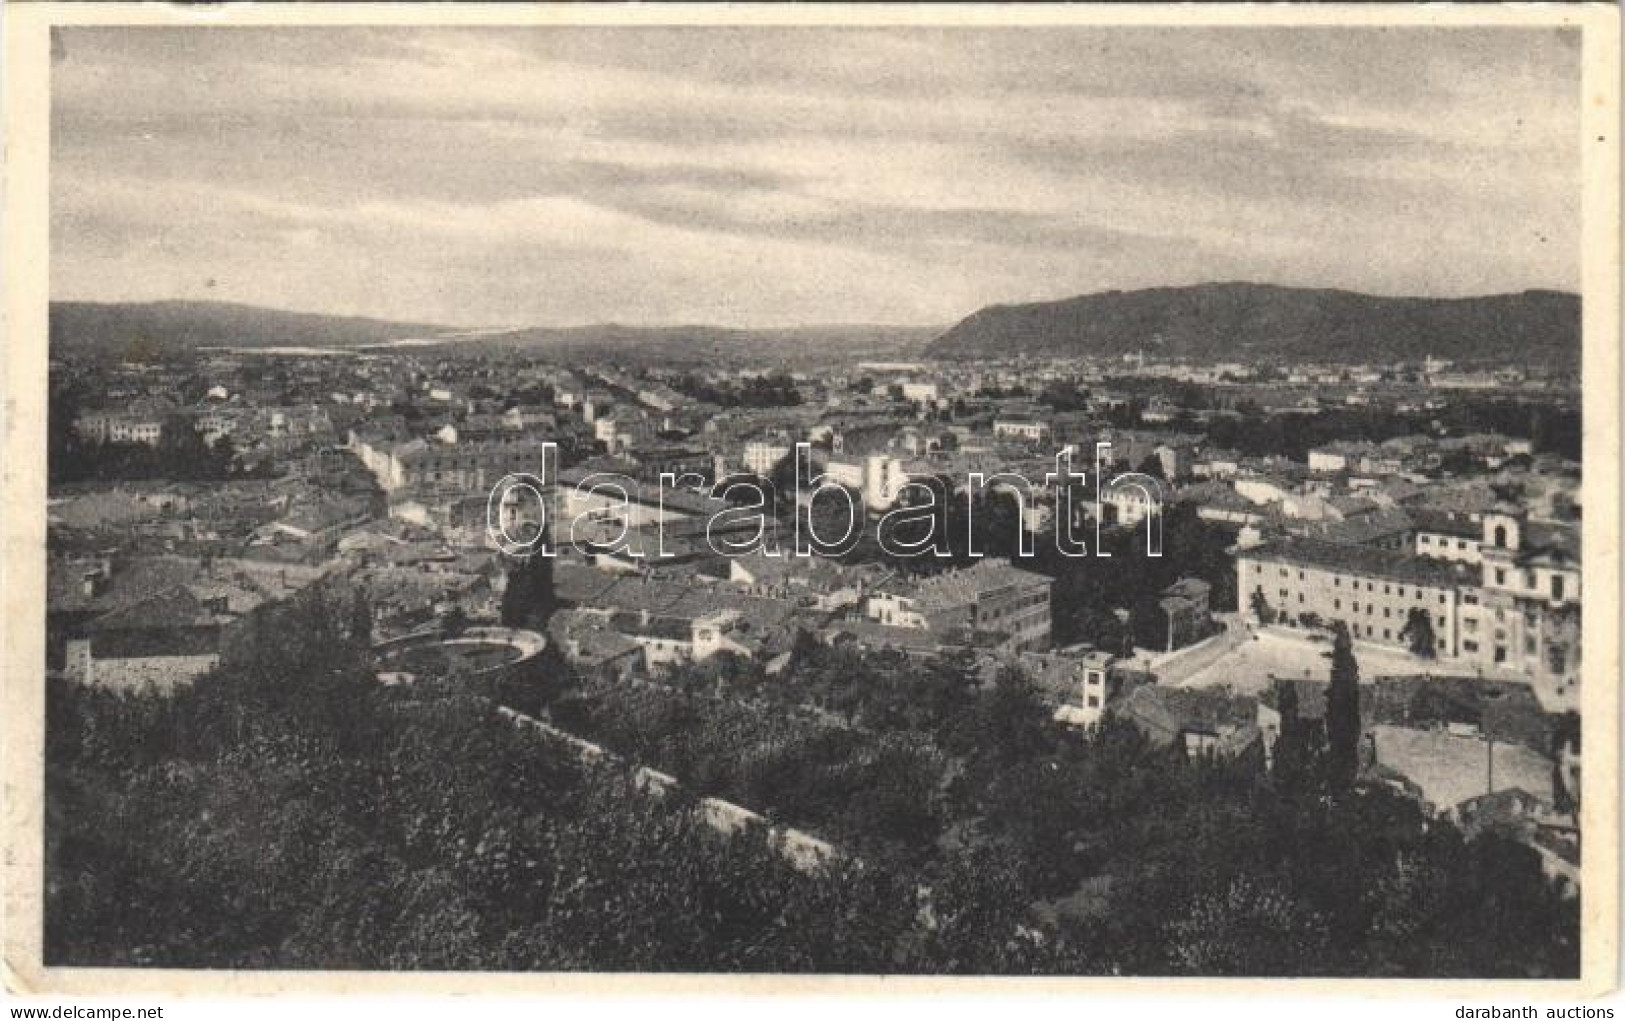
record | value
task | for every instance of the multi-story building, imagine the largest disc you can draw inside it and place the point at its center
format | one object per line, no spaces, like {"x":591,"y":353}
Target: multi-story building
{"x":760,"y":457}
{"x":1526,"y":612}
{"x":921,"y":392}
{"x":989,"y":600}
{"x":119,"y":427}
{"x":1337,"y":457}
{"x":167,"y":639}
{"x":1024,"y":428}
{"x":446,"y":467}
{"x":1448,"y":536}
{"x":678,"y":461}
{"x":1092,"y":684}
{"x":1372,"y":590}
{"x":1516,"y":611}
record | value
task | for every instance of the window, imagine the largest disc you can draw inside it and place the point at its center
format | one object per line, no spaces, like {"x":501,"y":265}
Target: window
{"x":1500,"y":654}
{"x":1500,"y":536}
{"x":1371,"y":586}
{"x":1557,"y":586}
{"x":1441,"y":643}
{"x":1469,"y":646}
{"x":1094,"y":701}
{"x":1354,"y":606}
{"x":1387,"y":590}
{"x":1300,"y":597}
{"x":1337,"y":581}
{"x":1386,"y":612}
{"x":1385,"y":635}
{"x":1500,"y":576}
{"x":1441,"y":622}
{"x":1337,"y":604}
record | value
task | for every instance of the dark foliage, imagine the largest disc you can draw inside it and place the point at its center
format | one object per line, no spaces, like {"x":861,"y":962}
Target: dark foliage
{"x":287,"y":811}
{"x":1343,"y":709}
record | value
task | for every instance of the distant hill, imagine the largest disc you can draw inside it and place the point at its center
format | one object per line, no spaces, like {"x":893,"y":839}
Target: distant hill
{"x":793,"y":345}
{"x":1263,"y":323}
{"x":163,"y":327}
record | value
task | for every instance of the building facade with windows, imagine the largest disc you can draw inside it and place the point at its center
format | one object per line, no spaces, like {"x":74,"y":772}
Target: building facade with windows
{"x":1373,"y":591}
{"x":1525,"y":613}
{"x":1516,"y":611}
{"x":991,"y":600}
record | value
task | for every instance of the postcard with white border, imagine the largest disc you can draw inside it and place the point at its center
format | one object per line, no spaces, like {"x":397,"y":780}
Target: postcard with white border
{"x":811,"y":498}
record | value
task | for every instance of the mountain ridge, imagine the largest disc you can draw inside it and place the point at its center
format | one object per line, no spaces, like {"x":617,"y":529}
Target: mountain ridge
{"x":166,"y":327}
{"x":1212,"y":322}
{"x":1238,"y":320}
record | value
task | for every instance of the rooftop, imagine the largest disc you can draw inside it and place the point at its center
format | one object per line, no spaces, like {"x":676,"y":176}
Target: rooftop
{"x":1366,"y":561}
{"x":967,"y":584}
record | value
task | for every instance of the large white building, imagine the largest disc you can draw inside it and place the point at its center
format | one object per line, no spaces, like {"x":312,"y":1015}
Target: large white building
{"x":1516,"y":611}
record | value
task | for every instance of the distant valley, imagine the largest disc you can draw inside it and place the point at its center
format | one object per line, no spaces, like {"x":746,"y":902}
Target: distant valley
{"x":1204,"y":323}
{"x":165,"y":328}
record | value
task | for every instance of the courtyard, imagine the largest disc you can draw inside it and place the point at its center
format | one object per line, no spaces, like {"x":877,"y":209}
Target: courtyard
{"x":1246,"y":659}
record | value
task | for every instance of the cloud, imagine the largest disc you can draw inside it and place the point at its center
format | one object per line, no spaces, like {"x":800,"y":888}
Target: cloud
{"x":781,"y":175}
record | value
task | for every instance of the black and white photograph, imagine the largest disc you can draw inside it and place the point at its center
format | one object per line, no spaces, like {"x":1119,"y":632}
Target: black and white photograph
{"x":848,"y":493}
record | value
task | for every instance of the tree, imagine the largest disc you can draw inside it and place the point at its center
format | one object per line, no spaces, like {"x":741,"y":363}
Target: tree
{"x":1418,"y":631}
{"x":361,"y":619}
{"x":1261,"y":607}
{"x":528,"y":600}
{"x":181,"y":448}
{"x":781,"y":481}
{"x":1286,"y":764}
{"x":1255,"y":927}
{"x":1343,"y":709}
{"x":1009,"y":721}
{"x":997,"y":522}
{"x":222,"y":454}
{"x":455,"y":621}
{"x":1565,"y":742}
{"x":62,"y":444}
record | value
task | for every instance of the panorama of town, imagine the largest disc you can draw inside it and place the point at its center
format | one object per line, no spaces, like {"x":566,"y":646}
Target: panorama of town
{"x":1407,"y":532}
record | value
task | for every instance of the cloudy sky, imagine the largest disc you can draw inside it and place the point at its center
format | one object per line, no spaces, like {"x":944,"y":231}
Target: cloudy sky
{"x":796,"y":175}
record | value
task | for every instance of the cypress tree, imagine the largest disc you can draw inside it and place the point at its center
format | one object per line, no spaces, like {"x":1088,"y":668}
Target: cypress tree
{"x":1287,"y":760}
{"x":361,"y":618}
{"x":1343,"y":710}
{"x":528,"y":601}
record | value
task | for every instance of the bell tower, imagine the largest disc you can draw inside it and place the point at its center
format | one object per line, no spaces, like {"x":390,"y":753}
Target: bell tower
{"x":1503,"y":537}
